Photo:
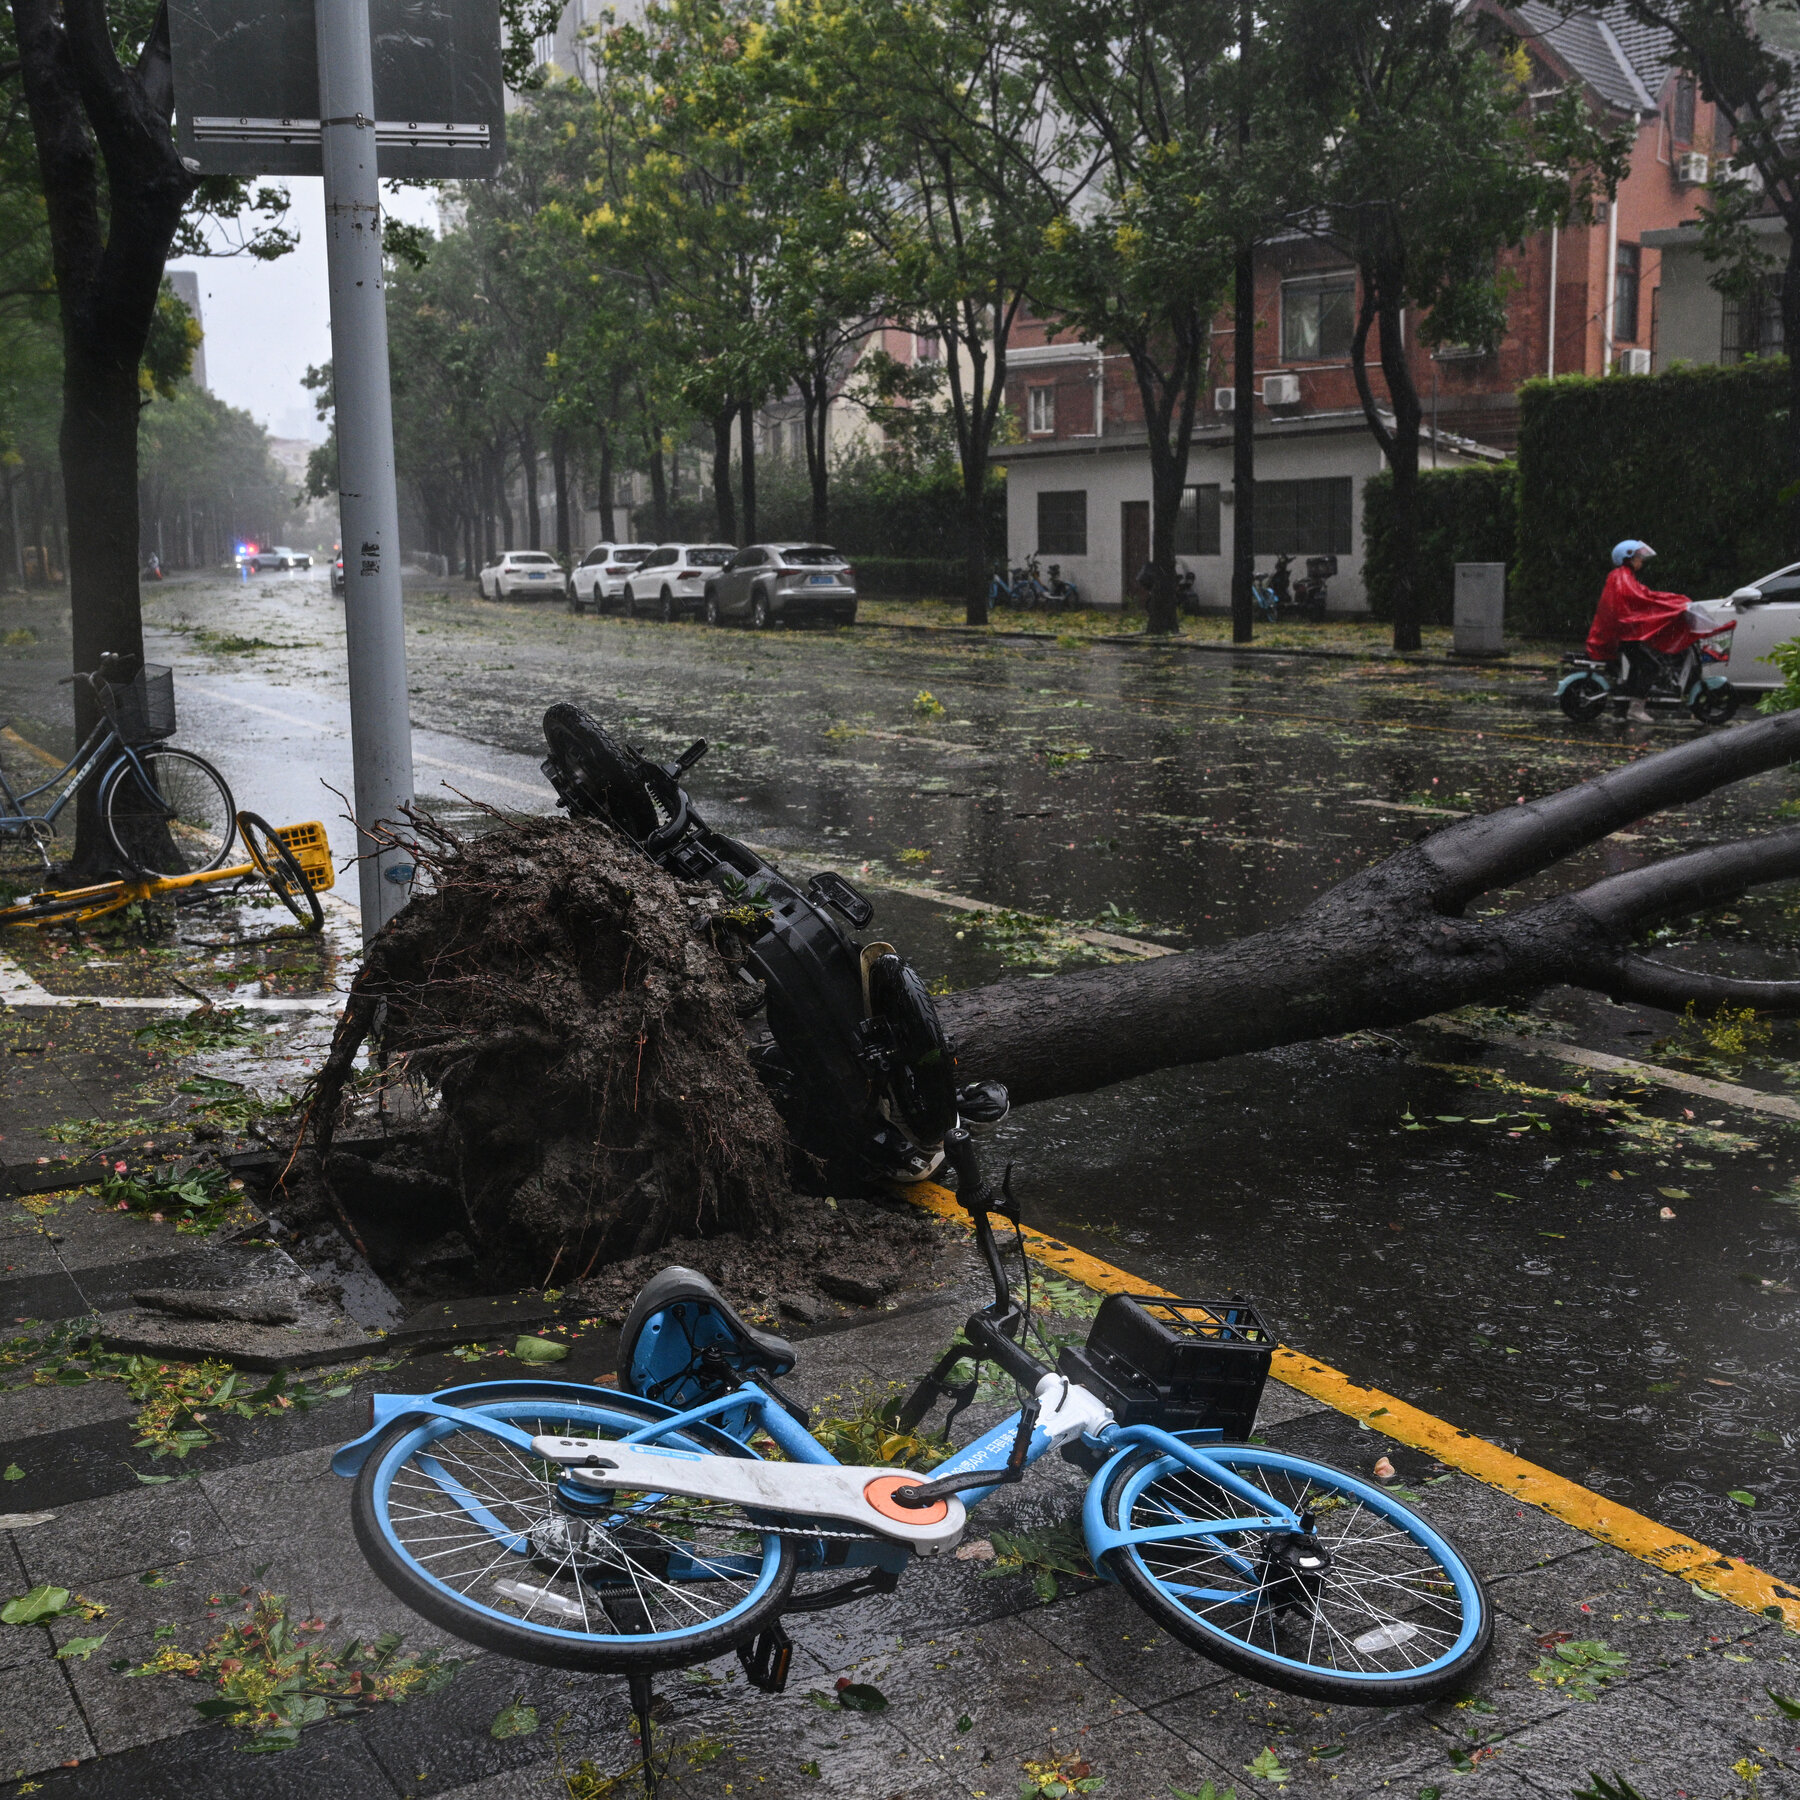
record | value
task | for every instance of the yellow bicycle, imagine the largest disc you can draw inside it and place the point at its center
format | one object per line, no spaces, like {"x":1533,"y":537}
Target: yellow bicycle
{"x":294,"y":861}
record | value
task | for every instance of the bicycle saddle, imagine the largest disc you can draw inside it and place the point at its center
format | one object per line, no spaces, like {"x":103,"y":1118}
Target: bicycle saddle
{"x":683,"y":1342}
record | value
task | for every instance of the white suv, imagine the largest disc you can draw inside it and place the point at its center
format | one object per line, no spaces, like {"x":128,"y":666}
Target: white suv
{"x":600,"y":576}
{"x":534,"y":572}
{"x":672,"y":579}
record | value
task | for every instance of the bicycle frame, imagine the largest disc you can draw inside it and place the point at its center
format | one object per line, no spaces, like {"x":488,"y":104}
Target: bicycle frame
{"x":103,"y":738}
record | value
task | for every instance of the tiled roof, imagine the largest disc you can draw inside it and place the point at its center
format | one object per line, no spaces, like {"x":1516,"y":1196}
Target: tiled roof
{"x":1646,"y":47}
{"x":1589,"y":45}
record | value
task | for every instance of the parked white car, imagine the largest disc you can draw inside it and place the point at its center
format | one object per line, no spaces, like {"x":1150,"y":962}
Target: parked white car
{"x":601,"y":575}
{"x":1767,"y":612}
{"x":769,"y":583}
{"x":672,"y":579}
{"x":531,"y":572}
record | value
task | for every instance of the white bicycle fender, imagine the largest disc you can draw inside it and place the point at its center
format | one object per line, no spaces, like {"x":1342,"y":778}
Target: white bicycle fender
{"x":845,"y":1494}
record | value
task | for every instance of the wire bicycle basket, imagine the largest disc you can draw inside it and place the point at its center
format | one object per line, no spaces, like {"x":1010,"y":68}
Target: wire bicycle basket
{"x":144,"y":706}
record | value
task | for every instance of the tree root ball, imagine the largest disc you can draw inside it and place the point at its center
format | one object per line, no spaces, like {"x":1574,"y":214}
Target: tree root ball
{"x":570,"y":1007}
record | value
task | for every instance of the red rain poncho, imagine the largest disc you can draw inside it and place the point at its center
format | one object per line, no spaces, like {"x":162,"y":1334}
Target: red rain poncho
{"x":1630,"y":613}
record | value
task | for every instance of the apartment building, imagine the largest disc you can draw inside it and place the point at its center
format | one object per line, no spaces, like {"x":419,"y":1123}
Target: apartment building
{"x":1584,"y":301}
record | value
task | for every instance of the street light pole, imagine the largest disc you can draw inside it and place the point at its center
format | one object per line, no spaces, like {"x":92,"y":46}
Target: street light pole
{"x":368,"y":505}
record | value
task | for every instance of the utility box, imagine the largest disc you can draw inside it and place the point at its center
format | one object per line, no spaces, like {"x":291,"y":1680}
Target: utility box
{"x":1480,"y":610}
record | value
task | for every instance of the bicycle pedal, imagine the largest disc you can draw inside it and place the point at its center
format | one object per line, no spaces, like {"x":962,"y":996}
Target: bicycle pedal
{"x":766,"y":1659}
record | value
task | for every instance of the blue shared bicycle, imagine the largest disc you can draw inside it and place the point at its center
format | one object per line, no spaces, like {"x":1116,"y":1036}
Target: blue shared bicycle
{"x":638,"y":1530}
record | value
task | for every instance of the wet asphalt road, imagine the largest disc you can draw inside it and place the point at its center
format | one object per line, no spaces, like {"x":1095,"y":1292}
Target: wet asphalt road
{"x":1425,"y":1211}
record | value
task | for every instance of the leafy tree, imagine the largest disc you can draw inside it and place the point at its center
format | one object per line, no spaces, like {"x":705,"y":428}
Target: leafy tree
{"x":1745,"y":60}
{"x":1141,"y":262}
{"x":955,"y":194}
{"x":1430,"y":158}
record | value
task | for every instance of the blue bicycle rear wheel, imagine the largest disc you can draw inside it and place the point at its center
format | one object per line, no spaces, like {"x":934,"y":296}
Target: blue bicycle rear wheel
{"x":477,"y":1536}
{"x":1390,"y":1615}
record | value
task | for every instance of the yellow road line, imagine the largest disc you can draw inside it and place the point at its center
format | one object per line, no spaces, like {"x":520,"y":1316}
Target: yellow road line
{"x":1728,"y":1577}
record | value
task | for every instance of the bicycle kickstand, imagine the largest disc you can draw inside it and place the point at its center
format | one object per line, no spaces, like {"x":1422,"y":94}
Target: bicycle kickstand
{"x":642,"y":1699}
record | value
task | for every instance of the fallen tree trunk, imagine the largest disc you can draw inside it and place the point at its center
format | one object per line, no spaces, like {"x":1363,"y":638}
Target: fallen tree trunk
{"x":1393,"y":943}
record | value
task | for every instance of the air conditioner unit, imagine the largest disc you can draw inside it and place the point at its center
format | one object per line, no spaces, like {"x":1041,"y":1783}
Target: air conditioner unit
{"x":1225,"y":399}
{"x":1692,"y":167}
{"x":1281,"y":390}
{"x":1634,"y":362}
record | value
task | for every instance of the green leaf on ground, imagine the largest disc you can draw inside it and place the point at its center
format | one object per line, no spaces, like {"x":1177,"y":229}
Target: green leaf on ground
{"x":43,"y":1602}
{"x":1741,"y":1495}
{"x":965,"y":1723}
{"x":83,"y":1647}
{"x":517,"y":1720}
{"x":1265,"y":1765}
{"x":539,"y":1350}
{"x":13,"y":1473}
{"x":1789,"y":1708}
{"x":860,"y":1696}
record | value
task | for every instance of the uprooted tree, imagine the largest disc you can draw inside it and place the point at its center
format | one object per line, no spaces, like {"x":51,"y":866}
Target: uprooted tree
{"x":569,"y":1006}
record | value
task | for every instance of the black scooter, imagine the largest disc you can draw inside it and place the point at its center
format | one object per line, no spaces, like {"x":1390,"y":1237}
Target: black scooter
{"x":853,"y":1053}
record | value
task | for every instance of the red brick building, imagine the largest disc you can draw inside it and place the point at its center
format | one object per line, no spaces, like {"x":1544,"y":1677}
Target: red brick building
{"x":1585,"y":301}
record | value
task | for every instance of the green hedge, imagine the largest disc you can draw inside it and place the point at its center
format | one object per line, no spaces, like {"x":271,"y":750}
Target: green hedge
{"x":1465,"y":515}
{"x":1691,"y":460}
{"x":909,"y":577}
{"x":876,"y":511}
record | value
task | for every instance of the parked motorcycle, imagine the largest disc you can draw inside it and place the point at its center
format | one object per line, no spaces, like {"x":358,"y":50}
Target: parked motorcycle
{"x":1309,"y":595}
{"x":852,"y":1051}
{"x":1689,"y":679}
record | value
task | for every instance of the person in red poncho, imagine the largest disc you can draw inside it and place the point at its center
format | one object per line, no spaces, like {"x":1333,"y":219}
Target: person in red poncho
{"x":1630,"y":613}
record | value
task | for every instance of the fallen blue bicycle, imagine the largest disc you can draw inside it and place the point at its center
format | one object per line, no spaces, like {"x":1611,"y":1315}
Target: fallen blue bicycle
{"x":638,"y":1530}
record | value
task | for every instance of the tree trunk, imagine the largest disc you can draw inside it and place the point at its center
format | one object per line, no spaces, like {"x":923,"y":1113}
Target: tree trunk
{"x":747,"y":468}
{"x":607,"y":523}
{"x":528,"y":474}
{"x":659,"y":486}
{"x":559,"y":468}
{"x":1392,"y":944}
{"x":1243,"y":447}
{"x":724,"y":502}
{"x":816,"y":397}
{"x":1790,"y":326}
{"x":1403,"y":458}
{"x":108,"y":258}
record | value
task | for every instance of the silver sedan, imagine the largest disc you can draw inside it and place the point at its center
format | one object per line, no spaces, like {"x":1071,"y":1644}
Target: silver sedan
{"x":767,"y":583}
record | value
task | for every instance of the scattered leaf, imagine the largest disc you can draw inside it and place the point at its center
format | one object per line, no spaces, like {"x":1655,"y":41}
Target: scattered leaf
{"x":517,"y":1720}
{"x":539,"y":1350}
{"x":1742,"y":1496}
{"x":13,"y":1473}
{"x":861,"y":1696}
{"x":1265,"y":1765}
{"x":83,"y":1647}
{"x":41,"y":1603}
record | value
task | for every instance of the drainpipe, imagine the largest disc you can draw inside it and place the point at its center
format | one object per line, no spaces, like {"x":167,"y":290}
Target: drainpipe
{"x":1099,"y":392}
{"x":1612,"y":273}
{"x":1550,"y":356}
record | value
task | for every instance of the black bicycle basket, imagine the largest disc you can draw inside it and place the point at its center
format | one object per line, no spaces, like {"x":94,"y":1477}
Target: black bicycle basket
{"x":145,"y":704}
{"x":1186,"y":1365}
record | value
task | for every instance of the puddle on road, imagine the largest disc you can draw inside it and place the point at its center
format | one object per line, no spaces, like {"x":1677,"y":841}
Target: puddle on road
{"x":1497,"y":1274}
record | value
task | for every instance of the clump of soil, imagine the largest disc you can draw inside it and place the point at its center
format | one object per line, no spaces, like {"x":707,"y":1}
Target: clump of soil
{"x":827,"y":1258}
{"x":565,"y":1011}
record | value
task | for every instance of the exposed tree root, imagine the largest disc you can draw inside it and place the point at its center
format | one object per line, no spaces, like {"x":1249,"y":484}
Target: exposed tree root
{"x":569,"y":1008}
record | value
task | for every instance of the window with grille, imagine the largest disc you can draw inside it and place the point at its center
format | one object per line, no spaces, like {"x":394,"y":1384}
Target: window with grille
{"x":1040,"y":411}
{"x":1752,"y":322}
{"x":1197,"y":523}
{"x":1626,"y":274}
{"x":1303,"y":518}
{"x":1062,"y":523}
{"x":1318,"y":317}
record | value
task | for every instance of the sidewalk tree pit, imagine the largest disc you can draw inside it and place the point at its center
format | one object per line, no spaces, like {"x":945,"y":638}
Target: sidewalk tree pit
{"x":568,"y":1014}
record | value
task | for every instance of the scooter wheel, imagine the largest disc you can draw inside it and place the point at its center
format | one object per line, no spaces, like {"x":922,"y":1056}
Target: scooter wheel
{"x":924,"y":1072}
{"x":599,"y":769}
{"x":1715,"y":705}
{"x":1584,"y":699}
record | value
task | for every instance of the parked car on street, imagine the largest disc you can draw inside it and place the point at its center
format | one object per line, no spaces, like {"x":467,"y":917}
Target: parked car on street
{"x":766,"y":583}
{"x":672,"y":579}
{"x":337,"y":571}
{"x":534,"y":573}
{"x":275,"y":556}
{"x":601,"y":575}
{"x":1767,"y":612}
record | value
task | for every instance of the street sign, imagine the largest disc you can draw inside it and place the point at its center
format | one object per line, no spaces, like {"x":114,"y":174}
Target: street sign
{"x":247,"y":87}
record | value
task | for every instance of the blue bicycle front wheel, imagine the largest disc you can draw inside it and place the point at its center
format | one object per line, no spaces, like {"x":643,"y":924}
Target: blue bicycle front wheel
{"x":477,"y":1536}
{"x":1390,"y":1614}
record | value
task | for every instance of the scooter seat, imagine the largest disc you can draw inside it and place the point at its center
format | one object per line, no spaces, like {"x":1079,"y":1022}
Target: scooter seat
{"x":678,"y":1287}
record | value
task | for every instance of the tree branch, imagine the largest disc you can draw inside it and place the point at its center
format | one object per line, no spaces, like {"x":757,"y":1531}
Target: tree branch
{"x":1658,"y":984}
{"x":1500,"y":848}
